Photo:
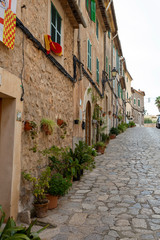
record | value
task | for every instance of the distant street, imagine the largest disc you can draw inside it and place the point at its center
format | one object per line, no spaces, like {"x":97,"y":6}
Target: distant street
{"x":120,"y":199}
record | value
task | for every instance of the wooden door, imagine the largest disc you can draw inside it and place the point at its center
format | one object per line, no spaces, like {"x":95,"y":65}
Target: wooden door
{"x":88,"y":123}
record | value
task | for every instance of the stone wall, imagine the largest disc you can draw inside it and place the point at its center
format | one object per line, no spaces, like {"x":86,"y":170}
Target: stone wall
{"x":48,"y":93}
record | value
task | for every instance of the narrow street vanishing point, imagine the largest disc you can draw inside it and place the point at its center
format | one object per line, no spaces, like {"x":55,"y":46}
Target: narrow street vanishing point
{"x":119,"y":199}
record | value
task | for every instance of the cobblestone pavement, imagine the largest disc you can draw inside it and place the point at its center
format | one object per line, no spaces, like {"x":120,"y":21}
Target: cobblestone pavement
{"x":120,"y":199}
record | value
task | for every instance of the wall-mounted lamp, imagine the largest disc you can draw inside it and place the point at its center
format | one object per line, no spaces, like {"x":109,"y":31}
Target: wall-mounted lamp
{"x":113,"y":73}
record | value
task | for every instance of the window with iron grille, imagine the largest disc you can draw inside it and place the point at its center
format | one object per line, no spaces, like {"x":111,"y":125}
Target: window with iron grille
{"x":89,"y":53}
{"x":55,"y":25}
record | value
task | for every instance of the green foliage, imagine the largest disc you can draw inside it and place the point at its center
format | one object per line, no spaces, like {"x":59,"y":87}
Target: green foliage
{"x":85,"y":155}
{"x":50,"y":124}
{"x":147,"y":120}
{"x":62,"y":161}
{"x":157,"y":102}
{"x":114,"y":131}
{"x":13,"y":232}
{"x":104,"y":137}
{"x":122,"y":127}
{"x":99,"y":144}
{"x":58,"y":185}
{"x":132,"y":124}
{"x":39,"y":184}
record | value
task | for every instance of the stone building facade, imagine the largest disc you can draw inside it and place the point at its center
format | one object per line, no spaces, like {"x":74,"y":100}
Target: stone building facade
{"x":48,"y":84}
{"x":138,"y":106}
{"x":76,"y":87}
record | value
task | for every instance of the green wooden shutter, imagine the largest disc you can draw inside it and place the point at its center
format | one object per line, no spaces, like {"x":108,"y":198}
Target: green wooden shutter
{"x":127,"y":95}
{"x":109,"y":34}
{"x":106,"y":64}
{"x":87,"y":4}
{"x":97,"y":70}
{"x":119,"y":90}
{"x":93,"y":10}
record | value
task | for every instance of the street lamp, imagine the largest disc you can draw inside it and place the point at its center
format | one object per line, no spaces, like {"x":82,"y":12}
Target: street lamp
{"x":114,"y":73}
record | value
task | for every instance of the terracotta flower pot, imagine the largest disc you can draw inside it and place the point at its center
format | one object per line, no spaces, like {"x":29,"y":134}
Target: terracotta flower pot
{"x":101,"y":149}
{"x":53,"y":201}
{"x":112,"y":136}
{"x":60,"y":122}
{"x":46,"y":129}
{"x":27,"y":126}
{"x":41,"y":209}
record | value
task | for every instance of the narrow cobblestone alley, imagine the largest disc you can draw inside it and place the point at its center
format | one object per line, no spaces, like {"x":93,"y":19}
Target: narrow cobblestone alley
{"x":119,"y":199}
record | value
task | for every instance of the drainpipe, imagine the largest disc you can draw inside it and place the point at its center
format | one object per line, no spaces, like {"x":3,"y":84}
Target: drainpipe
{"x":79,"y":44}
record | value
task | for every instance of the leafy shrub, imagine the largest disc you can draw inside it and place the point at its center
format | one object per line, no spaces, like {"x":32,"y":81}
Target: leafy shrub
{"x":39,"y":184}
{"x":13,"y":232}
{"x":104,"y":137}
{"x":58,"y":185}
{"x":147,"y":120}
{"x":114,"y":131}
{"x":132,"y":124}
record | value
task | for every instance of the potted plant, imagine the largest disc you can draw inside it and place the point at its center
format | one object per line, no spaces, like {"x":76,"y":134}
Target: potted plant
{"x":105,"y":138}
{"x":31,"y":126}
{"x":47,"y":126}
{"x":58,"y":186}
{"x":113,"y":133}
{"x":39,"y":186}
{"x":100,"y":147}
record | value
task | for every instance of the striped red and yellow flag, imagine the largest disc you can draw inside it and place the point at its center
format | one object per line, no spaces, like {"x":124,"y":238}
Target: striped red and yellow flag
{"x":8,"y":22}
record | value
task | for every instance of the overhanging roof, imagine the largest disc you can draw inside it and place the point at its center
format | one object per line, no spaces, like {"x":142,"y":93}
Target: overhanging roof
{"x":104,"y":14}
{"x":73,"y":12}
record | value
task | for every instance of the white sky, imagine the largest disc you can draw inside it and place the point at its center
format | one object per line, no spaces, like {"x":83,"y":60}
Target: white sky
{"x":139,"y":32}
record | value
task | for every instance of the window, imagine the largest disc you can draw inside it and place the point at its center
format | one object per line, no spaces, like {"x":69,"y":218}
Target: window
{"x":97,"y":70}
{"x":55,"y":25}
{"x":106,"y":64}
{"x":139,"y":103}
{"x":134,"y":101}
{"x":113,"y":50}
{"x":122,"y":94}
{"x":117,"y":60}
{"x":91,"y":8}
{"x":97,"y":33}
{"x":89,"y":55}
{"x":127,"y":95}
{"x":109,"y":34}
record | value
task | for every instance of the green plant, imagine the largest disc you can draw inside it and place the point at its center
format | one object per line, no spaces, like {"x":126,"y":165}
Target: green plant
{"x":85,"y":155}
{"x":122,"y":127}
{"x":114,"y":131}
{"x":13,"y":232}
{"x":148,"y":120}
{"x":58,"y":185}
{"x":132,"y":124}
{"x":157,"y":102}
{"x":99,"y":144}
{"x":39,"y":184}
{"x":47,"y":126}
{"x":104,"y":137}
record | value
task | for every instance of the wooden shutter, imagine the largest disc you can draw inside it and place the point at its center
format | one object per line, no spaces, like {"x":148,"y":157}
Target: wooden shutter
{"x":93,"y":10}
{"x":106,"y":64}
{"x":109,"y":71}
{"x":87,"y":4}
{"x":97,"y":71}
